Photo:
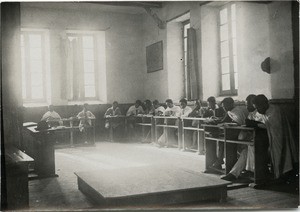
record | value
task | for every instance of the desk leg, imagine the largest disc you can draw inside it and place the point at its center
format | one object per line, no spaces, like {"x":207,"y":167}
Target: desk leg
{"x":261,"y":172}
{"x":94,"y":134}
{"x":210,"y":154}
{"x":230,"y":156}
{"x":111,"y":134}
{"x":71,"y":138}
{"x":181,"y":143}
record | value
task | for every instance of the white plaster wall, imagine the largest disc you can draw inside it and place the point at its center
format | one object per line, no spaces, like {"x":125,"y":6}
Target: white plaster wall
{"x":124,"y":44}
{"x":210,"y":51}
{"x":155,"y":83}
{"x":252,"y":49}
{"x":281,"y":50}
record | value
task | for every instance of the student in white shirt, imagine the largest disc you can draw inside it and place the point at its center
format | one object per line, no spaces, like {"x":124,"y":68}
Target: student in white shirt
{"x":158,"y":109}
{"x":133,"y":111}
{"x":51,"y":116}
{"x":185,"y":110}
{"x":172,"y":110}
{"x":85,"y":118}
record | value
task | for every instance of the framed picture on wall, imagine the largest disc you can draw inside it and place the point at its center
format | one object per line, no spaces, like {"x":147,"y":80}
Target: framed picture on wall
{"x":154,"y":57}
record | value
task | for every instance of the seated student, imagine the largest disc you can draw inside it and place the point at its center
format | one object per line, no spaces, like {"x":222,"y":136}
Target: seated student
{"x":148,"y":107}
{"x":246,"y":157}
{"x":133,"y":111}
{"x":185,"y":110}
{"x":158,"y":109}
{"x":213,"y":110}
{"x":172,"y":110}
{"x":85,"y":117}
{"x":197,"y":113}
{"x":52,"y":116}
{"x":282,"y":145}
{"x":114,"y":110}
{"x":236,"y":114}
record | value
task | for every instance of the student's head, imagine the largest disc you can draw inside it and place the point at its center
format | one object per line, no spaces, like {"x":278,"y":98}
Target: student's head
{"x":197,"y":104}
{"x":211,"y":102}
{"x":261,"y":103}
{"x":85,"y":106}
{"x":138,"y":103}
{"x":155,"y":104}
{"x":115,"y":104}
{"x":183,"y":103}
{"x":249,"y":102}
{"x":228,"y":104}
{"x":169,"y":103}
{"x":148,"y":103}
{"x":51,"y":108}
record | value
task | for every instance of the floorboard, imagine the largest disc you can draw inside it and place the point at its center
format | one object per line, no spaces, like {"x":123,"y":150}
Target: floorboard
{"x":62,"y":193}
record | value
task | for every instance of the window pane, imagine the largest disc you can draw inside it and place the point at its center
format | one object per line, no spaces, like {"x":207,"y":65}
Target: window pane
{"x":224,"y":49}
{"x":88,"y":54}
{"x":36,"y":66}
{"x":225,"y":65}
{"x":233,"y":29}
{"x":223,"y":16}
{"x":236,"y":80}
{"x":89,"y":66}
{"x":87,"y":42}
{"x":234,"y":46}
{"x":89,"y":91}
{"x":35,"y":40}
{"x":89,"y":79}
{"x":37,"y":79}
{"x":225,"y":82}
{"x":36,"y":53}
{"x":235,"y":64}
{"x":224,"y":32}
{"x":37,"y":92}
{"x":233,"y":12}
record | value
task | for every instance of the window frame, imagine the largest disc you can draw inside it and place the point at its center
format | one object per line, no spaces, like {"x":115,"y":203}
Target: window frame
{"x":187,"y":83}
{"x":25,"y":33}
{"x":80,"y":35}
{"x":232,"y":91}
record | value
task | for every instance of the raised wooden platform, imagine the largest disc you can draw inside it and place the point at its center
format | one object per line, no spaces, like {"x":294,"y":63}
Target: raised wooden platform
{"x":150,"y":185}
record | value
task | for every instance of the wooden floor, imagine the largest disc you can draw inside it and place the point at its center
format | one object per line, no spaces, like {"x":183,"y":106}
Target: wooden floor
{"x":62,"y":193}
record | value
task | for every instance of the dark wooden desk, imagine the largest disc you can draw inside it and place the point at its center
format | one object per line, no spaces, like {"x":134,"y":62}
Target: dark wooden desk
{"x":145,"y":121}
{"x":229,"y":136}
{"x":169,"y":123}
{"x":213,"y":136}
{"x":198,"y":129}
{"x":16,"y":171}
{"x":44,"y":156}
{"x":258,"y":140}
{"x":112,"y":119}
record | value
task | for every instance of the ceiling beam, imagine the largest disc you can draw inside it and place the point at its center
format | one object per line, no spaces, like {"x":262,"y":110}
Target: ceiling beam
{"x":161,"y":24}
{"x":131,"y":4}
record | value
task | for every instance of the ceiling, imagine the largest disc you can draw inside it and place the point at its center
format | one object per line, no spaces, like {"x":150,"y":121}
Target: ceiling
{"x":117,"y":7}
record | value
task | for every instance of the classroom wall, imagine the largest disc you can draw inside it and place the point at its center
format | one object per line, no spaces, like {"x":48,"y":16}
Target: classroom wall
{"x":252,"y":48}
{"x":281,"y":50}
{"x":168,"y":83}
{"x":263,"y":30}
{"x":210,"y":51}
{"x":155,"y":83}
{"x":124,"y":44}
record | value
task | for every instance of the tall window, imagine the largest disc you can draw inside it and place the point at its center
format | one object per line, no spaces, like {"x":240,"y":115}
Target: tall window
{"x":33,"y":64}
{"x":186,"y":26}
{"x":84,"y":66}
{"x":228,"y":53}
